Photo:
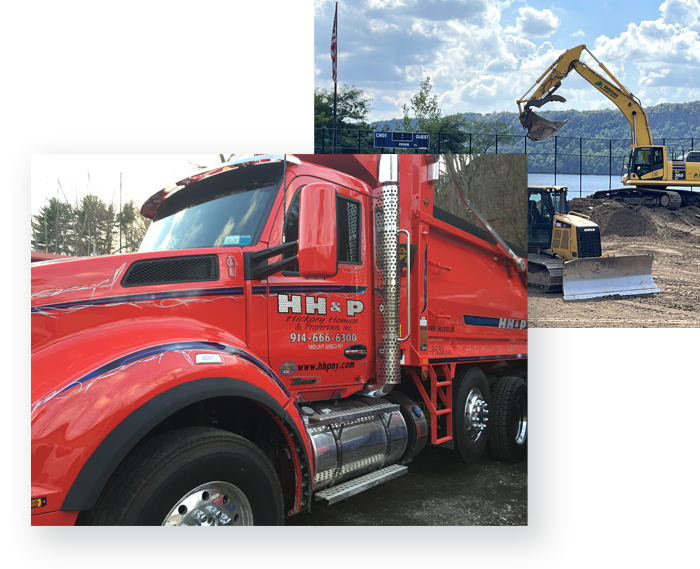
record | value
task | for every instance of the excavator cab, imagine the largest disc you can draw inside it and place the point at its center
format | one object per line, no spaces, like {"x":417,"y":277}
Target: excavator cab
{"x":646,"y":163}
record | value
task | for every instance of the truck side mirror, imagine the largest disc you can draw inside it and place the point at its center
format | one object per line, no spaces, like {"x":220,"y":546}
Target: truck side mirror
{"x":318,"y":237}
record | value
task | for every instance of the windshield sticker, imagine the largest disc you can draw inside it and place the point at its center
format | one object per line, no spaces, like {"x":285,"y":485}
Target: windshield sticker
{"x":232,"y":240}
{"x":245,"y":239}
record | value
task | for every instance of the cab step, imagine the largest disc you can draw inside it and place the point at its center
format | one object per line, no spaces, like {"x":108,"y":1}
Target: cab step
{"x":360,"y":484}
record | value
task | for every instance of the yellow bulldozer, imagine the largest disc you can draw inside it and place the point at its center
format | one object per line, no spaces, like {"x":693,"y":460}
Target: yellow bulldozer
{"x":565,"y":254}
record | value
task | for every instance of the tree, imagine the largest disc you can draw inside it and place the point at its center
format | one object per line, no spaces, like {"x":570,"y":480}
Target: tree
{"x":133,"y":228}
{"x":485,"y":134}
{"x":52,"y":228}
{"x":94,"y":227}
{"x":353,"y":108}
{"x":450,"y":133}
{"x":426,"y":112}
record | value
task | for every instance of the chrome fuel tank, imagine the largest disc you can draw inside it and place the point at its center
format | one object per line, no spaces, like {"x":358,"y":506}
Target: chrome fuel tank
{"x":353,"y":437}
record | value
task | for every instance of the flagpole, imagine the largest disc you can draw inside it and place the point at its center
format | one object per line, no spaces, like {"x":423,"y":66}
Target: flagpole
{"x":335,"y":118}
{"x":334,"y":58}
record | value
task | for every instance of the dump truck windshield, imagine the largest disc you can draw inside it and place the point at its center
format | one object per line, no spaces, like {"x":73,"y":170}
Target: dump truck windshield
{"x":225,"y":210}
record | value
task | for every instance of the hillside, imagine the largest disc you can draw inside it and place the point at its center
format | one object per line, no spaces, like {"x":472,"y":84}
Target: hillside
{"x":589,"y":137}
{"x":667,"y":120}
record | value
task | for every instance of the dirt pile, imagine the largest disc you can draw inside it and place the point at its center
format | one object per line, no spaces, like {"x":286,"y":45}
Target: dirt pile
{"x":623,"y":220}
{"x":671,"y":236}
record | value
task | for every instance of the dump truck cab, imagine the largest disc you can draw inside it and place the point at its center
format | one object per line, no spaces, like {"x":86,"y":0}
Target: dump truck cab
{"x":269,"y":344}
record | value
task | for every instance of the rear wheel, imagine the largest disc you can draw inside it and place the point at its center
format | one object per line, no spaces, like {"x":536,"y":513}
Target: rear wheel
{"x":472,"y":400}
{"x":193,"y":476}
{"x":508,"y":437}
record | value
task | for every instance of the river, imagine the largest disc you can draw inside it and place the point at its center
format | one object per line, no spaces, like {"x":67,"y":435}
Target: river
{"x":579,"y":186}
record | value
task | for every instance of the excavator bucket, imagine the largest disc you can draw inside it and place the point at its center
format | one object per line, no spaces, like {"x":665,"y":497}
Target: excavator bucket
{"x":538,"y":128}
{"x":608,"y":276}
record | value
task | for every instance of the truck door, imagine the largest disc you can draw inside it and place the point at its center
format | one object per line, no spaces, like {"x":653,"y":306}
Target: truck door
{"x":321,"y":330}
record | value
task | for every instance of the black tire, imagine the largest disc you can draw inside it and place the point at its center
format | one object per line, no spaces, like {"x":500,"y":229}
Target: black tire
{"x":508,"y":438}
{"x":155,"y":478}
{"x":470,"y":391}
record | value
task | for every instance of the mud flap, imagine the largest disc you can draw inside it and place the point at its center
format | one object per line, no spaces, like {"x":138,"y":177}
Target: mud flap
{"x":608,"y":276}
{"x":538,"y":128}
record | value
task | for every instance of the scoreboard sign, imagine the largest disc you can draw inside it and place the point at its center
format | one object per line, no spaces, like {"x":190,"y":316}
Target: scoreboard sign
{"x":389,"y":139}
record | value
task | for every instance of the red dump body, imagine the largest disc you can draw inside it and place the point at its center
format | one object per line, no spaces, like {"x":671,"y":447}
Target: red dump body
{"x":122,"y":344}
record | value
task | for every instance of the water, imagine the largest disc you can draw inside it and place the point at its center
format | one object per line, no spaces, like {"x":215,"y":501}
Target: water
{"x":579,"y":186}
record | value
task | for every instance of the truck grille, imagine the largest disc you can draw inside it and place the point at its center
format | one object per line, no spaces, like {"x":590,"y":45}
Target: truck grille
{"x":588,"y":242}
{"x":172,"y":270}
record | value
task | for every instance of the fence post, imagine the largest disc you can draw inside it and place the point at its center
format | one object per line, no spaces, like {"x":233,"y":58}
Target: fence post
{"x":470,"y":143}
{"x":555,"y":160}
{"x":438,"y":143}
{"x":359,"y":141}
{"x":323,"y":141}
{"x":525,"y":138}
{"x":580,"y":167}
{"x":610,"y":170}
{"x":496,"y":143}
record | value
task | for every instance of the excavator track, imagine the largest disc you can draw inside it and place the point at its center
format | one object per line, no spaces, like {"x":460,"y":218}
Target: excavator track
{"x":545,"y":273}
{"x":643,"y":196}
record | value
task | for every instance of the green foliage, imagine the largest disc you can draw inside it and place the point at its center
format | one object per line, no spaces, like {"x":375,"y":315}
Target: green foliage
{"x":90,"y":228}
{"x":353,"y":107}
{"x":52,"y":228}
{"x":425,"y":109}
{"x":451,"y":133}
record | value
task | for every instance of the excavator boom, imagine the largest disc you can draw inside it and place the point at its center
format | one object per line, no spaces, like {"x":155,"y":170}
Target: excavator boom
{"x":539,"y":128}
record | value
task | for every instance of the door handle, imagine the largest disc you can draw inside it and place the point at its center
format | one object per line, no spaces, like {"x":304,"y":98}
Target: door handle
{"x":356,"y":352}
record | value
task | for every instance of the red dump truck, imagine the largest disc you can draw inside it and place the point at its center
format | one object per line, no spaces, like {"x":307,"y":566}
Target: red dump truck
{"x":293,"y":328}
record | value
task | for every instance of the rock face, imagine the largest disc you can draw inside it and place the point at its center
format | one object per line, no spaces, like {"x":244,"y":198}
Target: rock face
{"x":497,"y":186}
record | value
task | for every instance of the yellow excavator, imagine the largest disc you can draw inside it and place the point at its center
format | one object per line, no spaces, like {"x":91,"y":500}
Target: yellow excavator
{"x":650,"y":170}
{"x":564,"y":253}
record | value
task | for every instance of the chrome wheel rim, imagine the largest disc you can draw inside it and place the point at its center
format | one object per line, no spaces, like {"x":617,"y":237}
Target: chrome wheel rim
{"x":520,"y":409}
{"x":211,"y":504}
{"x":475,"y":414}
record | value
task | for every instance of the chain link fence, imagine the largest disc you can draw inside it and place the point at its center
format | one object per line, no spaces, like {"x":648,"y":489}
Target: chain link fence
{"x":558,"y":155}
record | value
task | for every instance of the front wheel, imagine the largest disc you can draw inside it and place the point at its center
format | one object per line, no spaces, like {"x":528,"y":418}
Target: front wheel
{"x":508,"y":438}
{"x":193,"y":476}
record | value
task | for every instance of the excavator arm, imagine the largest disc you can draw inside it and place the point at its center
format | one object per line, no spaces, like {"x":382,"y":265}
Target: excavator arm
{"x":539,"y":128}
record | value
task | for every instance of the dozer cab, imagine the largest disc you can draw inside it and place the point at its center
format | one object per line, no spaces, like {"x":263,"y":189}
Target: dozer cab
{"x":564,"y":252}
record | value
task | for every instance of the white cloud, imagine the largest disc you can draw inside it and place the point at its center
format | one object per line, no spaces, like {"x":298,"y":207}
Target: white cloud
{"x":476,"y":63}
{"x":680,"y":12}
{"x":534,"y":23}
{"x":666,"y":51}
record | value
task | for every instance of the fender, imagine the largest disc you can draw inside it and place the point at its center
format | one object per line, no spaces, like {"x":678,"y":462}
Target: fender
{"x":82,"y":431}
{"x":120,"y":441}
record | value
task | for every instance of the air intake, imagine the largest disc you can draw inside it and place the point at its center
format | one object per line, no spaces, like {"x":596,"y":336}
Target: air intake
{"x":172,"y":270}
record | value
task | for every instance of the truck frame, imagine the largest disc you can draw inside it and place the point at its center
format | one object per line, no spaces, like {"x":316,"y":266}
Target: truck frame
{"x":294,"y":328}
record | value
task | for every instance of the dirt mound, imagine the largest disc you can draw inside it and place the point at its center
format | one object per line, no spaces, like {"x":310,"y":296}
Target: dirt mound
{"x":630,"y":223}
{"x":623,"y":220}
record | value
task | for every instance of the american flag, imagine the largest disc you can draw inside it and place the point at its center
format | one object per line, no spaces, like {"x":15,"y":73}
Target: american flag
{"x":334,"y":45}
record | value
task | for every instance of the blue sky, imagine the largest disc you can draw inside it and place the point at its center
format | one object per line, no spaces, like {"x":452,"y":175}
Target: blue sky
{"x":483,"y":55}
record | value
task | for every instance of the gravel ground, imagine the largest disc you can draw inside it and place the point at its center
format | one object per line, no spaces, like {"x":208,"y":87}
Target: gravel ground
{"x":436,"y":491}
{"x":672,"y":237}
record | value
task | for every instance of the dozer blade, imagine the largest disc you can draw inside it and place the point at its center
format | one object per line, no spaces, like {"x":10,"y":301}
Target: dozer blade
{"x":608,"y":276}
{"x":538,"y":128}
